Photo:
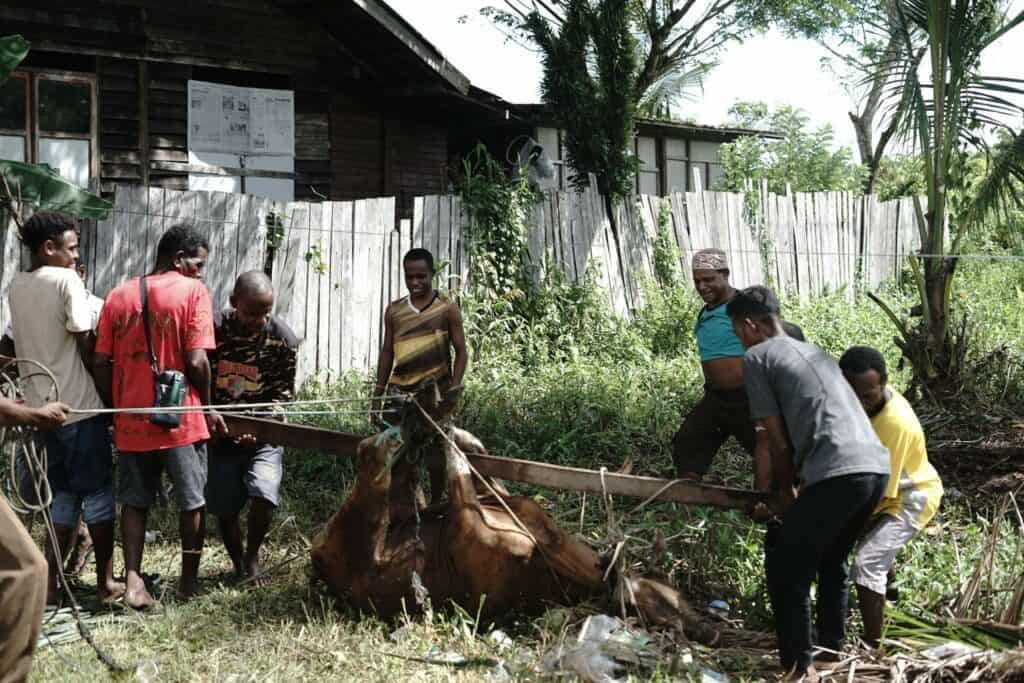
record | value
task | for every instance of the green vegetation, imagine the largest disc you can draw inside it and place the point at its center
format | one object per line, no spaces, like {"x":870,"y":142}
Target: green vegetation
{"x":557,"y":378}
{"x":590,"y":70}
{"x":677,"y":42}
{"x":804,"y":160}
{"x":946,"y":119}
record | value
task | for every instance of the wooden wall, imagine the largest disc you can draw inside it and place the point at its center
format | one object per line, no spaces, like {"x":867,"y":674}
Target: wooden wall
{"x":417,"y":161}
{"x":357,"y":159}
{"x":375,"y":153}
{"x":143,"y":53}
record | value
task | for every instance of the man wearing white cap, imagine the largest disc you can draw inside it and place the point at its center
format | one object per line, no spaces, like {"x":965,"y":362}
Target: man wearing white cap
{"x":723,"y":411}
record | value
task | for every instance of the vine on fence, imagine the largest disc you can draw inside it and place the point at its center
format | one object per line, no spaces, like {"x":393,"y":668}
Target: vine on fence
{"x":315,"y":258}
{"x":498,"y":208}
{"x":275,"y":236}
{"x":666,"y":253}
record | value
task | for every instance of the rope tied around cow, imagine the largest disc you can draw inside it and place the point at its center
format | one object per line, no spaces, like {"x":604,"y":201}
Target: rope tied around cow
{"x":446,"y":436}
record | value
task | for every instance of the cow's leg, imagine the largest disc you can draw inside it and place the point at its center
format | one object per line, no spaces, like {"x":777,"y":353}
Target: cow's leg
{"x":469,"y":444}
{"x":353,"y":544}
{"x":663,"y":605}
{"x":573,"y":561}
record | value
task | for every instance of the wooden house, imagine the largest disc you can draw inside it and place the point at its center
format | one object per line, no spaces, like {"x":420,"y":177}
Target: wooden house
{"x":674,"y":156}
{"x":292,"y":99}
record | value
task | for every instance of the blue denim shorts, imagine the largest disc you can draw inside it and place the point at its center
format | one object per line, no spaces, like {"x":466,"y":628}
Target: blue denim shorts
{"x":96,"y":507}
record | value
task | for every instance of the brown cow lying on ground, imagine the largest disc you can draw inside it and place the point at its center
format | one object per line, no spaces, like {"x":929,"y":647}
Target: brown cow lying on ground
{"x":469,"y":550}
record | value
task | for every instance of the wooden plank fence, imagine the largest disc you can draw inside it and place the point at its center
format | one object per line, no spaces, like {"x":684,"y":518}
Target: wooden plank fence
{"x":339,"y":263}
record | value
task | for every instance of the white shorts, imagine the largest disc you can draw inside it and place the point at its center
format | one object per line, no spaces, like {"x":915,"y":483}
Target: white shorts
{"x":877,"y":550}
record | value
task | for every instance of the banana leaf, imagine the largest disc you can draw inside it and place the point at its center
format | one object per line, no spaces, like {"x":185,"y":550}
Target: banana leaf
{"x":41,"y":186}
{"x":12,"y":50}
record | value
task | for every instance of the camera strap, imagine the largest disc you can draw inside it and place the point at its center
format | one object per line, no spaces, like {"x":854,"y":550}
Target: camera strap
{"x":145,"y":325}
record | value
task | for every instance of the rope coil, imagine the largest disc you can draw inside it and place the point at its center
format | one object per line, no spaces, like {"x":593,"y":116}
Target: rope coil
{"x":26,"y":439}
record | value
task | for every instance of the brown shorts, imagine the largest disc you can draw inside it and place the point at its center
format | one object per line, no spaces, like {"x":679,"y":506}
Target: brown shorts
{"x":716,"y":417}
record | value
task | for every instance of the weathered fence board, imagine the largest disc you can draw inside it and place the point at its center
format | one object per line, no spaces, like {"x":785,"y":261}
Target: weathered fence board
{"x":338,"y":264}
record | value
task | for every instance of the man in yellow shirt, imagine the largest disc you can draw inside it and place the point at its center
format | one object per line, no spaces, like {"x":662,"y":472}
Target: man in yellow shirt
{"x":912,"y":496}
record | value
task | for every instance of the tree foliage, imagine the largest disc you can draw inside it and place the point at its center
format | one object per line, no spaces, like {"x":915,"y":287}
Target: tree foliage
{"x":13,"y":50}
{"x":804,"y":160}
{"x":899,"y":176}
{"x":589,"y":64}
{"x":946,"y":116}
{"x":679,"y":41}
{"x":856,"y":50}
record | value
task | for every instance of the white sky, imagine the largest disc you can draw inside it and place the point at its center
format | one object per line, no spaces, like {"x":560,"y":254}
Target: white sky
{"x":770,"y":67}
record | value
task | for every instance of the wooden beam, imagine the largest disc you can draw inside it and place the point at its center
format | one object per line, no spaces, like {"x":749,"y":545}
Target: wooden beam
{"x":219,"y":170}
{"x":294,"y":436}
{"x":525,"y":471}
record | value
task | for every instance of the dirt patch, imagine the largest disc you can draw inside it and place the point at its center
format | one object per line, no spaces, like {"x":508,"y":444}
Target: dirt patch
{"x":978,"y":470}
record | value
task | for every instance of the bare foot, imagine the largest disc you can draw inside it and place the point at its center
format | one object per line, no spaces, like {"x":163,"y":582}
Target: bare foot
{"x":110,"y":592}
{"x":138,"y":599}
{"x":254,"y":572}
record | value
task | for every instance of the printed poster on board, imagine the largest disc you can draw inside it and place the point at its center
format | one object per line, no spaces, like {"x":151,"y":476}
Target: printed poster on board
{"x":236,"y":120}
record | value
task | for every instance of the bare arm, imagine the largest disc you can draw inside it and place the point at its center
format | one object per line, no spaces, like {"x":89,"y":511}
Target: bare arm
{"x":458,"y":339}
{"x":50,"y":416}
{"x":103,"y":376}
{"x":386,"y":359}
{"x":385,"y":363}
{"x":197,"y":369}
{"x":86,"y":343}
{"x":762,"y":458}
{"x":781,"y":453}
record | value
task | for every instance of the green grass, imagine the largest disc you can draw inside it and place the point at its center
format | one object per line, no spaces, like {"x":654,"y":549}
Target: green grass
{"x":591,"y":394}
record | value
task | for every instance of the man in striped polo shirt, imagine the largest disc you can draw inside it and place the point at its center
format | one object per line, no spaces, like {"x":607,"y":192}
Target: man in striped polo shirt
{"x":421,"y":332}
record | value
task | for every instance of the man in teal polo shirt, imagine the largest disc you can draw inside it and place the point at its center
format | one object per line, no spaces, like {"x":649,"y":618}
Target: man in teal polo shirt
{"x":723,"y":411}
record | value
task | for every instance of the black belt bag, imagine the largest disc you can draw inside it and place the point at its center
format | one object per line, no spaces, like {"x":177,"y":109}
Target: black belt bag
{"x":170,"y":387}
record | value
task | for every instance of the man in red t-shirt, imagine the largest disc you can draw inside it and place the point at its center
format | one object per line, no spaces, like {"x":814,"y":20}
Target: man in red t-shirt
{"x":181,"y":326}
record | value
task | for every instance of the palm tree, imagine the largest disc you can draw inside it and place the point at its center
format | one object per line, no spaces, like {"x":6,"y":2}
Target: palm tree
{"x":947,"y":118}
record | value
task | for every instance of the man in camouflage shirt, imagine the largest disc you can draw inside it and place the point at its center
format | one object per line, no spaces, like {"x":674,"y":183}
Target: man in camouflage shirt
{"x":254,"y":363}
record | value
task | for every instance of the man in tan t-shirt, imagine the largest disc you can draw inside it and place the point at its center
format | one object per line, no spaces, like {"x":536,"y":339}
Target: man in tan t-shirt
{"x":53,"y":321}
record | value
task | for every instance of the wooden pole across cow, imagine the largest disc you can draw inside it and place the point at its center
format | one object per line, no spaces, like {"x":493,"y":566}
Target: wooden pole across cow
{"x":525,"y":471}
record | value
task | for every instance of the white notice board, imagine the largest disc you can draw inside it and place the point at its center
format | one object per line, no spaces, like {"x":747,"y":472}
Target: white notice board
{"x":235,"y":120}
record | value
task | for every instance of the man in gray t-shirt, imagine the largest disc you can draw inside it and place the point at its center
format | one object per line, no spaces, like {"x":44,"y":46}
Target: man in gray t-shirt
{"x":826,"y":464}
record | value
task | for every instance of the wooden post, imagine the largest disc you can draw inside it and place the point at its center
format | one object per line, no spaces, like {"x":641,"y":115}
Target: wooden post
{"x":143,"y":95}
{"x":530,"y":472}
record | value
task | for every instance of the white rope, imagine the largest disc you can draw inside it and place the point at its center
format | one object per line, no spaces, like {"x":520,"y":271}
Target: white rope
{"x":289,"y":413}
{"x":224,"y":408}
{"x":886,"y":254}
{"x":23,"y":443}
{"x":501,"y":499}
